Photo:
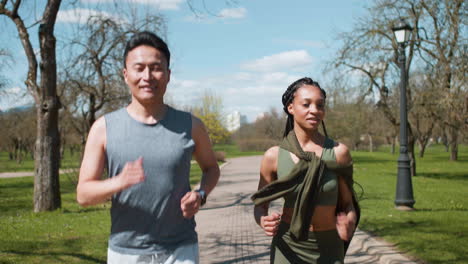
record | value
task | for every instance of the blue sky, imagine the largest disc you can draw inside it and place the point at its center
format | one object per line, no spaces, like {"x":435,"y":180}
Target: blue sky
{"x":245,"y":53}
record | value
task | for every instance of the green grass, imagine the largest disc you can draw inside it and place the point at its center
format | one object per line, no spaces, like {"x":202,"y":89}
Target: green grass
{"x":7,"y":165}
{"x":72,"y":161}
{"x":27,"y":164}
{"x":70,"y":235}
{"x":436,"y":232}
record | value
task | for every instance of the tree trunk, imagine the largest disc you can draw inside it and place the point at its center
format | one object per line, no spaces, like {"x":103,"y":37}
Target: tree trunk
{"x":454,"y":151}
{"x":445,"y":142}
{"x":422,"y":147}
{"x":371,"y":145}
{"x":47,"y":155}
{"x":92,"y":111}
{"x":411,"y":141}
{"x":393,"y":145}
{"x":46,"y":181}
{"x":412,"y":158}
{"x":453,"y":143}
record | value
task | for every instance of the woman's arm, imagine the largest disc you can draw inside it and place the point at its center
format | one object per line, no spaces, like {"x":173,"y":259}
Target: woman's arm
{"x":345,"y":219}
{"x":268,"y":173}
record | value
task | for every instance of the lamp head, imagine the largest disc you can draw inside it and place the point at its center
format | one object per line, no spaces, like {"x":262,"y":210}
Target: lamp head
{"x":402,"y":31}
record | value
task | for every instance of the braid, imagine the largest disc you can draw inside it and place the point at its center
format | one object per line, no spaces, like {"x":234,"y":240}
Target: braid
{"x":288,"y":97}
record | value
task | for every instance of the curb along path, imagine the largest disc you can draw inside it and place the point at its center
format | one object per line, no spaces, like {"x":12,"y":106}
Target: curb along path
{"x":28,"y":173}
{"x":16,"y":174}
{"x":228,"y":232}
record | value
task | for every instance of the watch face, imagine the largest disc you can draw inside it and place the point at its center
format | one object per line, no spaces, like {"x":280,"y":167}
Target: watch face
{"x":203,"y":196}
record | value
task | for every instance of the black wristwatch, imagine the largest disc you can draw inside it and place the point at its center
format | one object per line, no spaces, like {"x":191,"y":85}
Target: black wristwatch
{"x":202,"y":195}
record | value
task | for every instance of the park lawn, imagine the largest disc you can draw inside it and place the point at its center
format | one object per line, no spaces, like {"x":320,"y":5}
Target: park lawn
{"x":6,"y":165}
{"x":436,"y":232}
{"x":70,"y":235}
{"x":73,"y":160}
{"x":27,"y":164}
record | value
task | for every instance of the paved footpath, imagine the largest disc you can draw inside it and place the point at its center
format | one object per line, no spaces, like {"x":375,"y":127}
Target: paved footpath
{"x":228,"y":233}
{"x":16,"y":174}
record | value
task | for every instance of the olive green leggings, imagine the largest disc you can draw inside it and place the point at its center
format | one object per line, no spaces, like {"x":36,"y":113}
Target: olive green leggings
{"x":321,"y":247}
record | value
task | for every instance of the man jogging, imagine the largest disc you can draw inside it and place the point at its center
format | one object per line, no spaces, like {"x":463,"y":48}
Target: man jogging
{"x":146,"y":148}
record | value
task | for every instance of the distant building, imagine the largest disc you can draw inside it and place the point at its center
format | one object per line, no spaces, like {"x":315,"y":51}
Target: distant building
{"x":235,"y":120}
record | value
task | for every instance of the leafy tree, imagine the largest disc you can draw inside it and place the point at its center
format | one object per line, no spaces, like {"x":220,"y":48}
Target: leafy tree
{"x":218,"y":133}
{"x":210,"y":112}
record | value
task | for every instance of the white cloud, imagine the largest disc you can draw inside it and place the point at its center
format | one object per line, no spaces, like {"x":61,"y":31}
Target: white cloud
{"x":161,"y":4}
{"x":14,"y":97}
{"x":185,"y":84}
{"x":288,"y":60}
{"x":81,"y":16}
{"x":302,"y":43}
{"x":234,"y":13}
{"x":223,"y":15}
{"x":249,"y":93}
{"x":15,"y":90}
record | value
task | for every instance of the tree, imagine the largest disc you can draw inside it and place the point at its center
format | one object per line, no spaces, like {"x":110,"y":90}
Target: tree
{"x":18,"y":137}
{"x":442,"y":45}
{"x":264,"y":133}
{"x":46,"y":181}
{"x":210,"y":112}
{"x":93,"y":82}
{"x":3,"y":81}
{"x":438,"y":49}
{"x":271,"y":125}
{"x":370,"y":50}
{"x":423,"y":115}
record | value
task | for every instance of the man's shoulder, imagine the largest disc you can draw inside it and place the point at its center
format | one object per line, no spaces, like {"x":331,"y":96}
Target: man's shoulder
{"x":117,"y":112}
{"x":180,"y":117}
{"x":178,"y":111}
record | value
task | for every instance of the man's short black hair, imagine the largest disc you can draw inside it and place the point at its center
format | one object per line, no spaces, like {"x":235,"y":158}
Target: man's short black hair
{"x":149,"y":39}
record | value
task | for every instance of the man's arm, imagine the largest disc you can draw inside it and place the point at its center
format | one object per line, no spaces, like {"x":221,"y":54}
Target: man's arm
{"x":91,"y":188}
{"x":204,"y":155}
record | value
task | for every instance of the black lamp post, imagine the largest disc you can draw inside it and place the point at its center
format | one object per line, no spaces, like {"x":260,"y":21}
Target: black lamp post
{"x":404,"y":191}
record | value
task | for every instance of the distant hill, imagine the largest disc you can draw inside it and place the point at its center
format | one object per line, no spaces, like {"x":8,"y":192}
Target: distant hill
{"x":17,"y":109}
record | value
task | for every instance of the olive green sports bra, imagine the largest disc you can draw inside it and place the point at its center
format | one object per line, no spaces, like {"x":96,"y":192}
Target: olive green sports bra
{"x":328,"y":186}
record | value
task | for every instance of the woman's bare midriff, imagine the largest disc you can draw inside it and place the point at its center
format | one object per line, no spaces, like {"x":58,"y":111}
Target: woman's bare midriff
{"x":323,"y":219}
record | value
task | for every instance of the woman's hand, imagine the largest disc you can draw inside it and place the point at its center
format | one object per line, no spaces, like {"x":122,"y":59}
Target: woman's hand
{"x":345,"y":226}
{"x":270,"y":223}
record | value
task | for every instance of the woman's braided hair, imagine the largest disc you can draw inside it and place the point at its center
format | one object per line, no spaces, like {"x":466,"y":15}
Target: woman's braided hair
{"x":288,"y":97}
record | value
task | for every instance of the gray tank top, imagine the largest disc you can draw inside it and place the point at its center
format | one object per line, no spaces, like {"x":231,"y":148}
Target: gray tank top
{"x":146,"y":218}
